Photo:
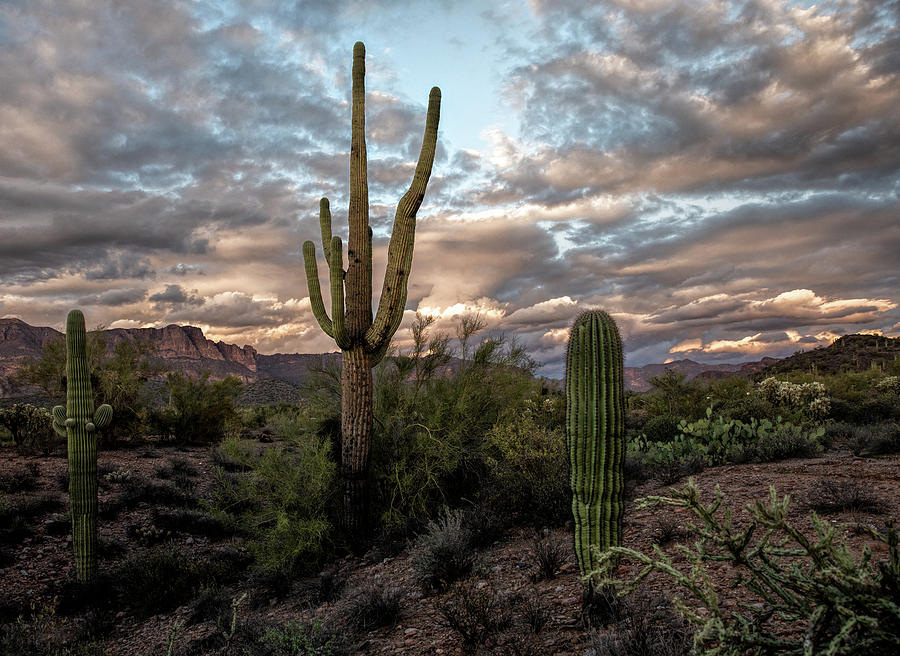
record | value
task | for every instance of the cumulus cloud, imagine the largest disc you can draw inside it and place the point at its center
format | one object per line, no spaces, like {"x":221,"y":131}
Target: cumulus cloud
{"x":720,"y":176}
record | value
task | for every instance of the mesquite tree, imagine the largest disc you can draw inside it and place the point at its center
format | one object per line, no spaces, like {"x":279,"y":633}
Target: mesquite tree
{"x":363,"y":340}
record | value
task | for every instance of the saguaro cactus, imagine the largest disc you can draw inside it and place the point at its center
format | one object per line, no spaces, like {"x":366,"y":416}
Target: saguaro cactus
{"x":362,"y":340}
{"x":78,"y":422}
{"x":595,"y":434}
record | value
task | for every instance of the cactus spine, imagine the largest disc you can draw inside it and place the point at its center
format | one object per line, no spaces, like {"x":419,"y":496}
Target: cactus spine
{"x":78,"y":422}
{"x":363,"y":340}
{"x":595,"y":434}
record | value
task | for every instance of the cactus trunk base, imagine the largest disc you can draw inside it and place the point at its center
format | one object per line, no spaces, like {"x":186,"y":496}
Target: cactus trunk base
{"x":357,"y":426}
{"x":83,"y":507}
{"x":84,"y":538}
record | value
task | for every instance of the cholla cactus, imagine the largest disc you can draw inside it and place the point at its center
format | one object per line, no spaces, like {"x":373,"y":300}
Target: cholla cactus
{"x":889,"y":385}
{"x":809,"y":398}
{"x":78,"y":422}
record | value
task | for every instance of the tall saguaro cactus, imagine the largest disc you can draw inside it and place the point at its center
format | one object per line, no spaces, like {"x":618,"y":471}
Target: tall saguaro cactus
{"x":363,"y":340}
{"x":595,"y":434}
{"x":78,"y":422}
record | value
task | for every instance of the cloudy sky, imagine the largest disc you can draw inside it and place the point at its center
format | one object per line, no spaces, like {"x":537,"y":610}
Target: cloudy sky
{"x":722,"y":177}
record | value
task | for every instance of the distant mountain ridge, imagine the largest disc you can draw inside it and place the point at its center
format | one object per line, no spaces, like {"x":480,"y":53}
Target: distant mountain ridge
{"x":638,"y":378}
{"x":183,"y":348}
{"x":186,"y":348}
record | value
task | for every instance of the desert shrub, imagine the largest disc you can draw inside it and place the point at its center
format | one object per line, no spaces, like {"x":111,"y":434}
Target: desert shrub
{"x":832,"y":496}
{"x":137,"y":489}
{"x":601,"y":606}
{"x":21,"y":479}
{"x":528,"y":466}
{"x":786,"y":441}
{"x":280,"y":502}
{"x":477,"y":615}
{"x":532,"y":609}
{"x":17,"y":515}
{"x":875,"y":439}
{"x":199,"y":410}
{"x":30,"y":427}
{"x":210,"y":603}
{"x":180,"y":472}
{"x":373,"y":605}
{"x":549,"y":554}
{"x":119,"y":376}
{"x":648,"y":627}
{"x":666,"y":529}
{"x":661,"y":428}
{"x":485,"y":525}
{"x":44,"y":634}
{"x":668,"y":472}
{"x":296,"y":639}
{"x":431,"y":417}
{"x":165,"y":578}
{"x":443,"y":553}
{"x":194,"y":522}
{"x":830,"y":600}
{"x":672,"y":394}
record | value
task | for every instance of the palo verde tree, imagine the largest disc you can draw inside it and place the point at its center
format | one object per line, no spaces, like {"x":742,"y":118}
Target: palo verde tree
{"x":363,"y":340}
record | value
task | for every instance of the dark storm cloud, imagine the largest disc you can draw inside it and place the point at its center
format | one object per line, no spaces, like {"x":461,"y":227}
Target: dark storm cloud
{"x":115,"y":297}
{"x":125,"y":266}
{"x":686,"y":97}
{"x":173,"y":297}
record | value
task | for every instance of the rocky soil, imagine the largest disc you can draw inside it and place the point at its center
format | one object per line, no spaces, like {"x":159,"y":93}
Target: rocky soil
{"x":37,"y":563}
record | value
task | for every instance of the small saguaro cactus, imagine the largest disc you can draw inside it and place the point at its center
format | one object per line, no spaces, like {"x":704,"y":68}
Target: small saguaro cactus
{"x":595,"y":434}
{"x":79,"y":423}
{"x":363,"y":340}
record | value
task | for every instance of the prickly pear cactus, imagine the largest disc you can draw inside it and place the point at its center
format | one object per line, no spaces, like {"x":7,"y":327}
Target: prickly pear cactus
{"x":595,"y":434}
{"x":79,"y":423}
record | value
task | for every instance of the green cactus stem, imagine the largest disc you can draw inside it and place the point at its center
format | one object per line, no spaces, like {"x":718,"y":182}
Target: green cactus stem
{"x":78,"y":422}
{"x":595,"y":434}
{"x":364,"y":340}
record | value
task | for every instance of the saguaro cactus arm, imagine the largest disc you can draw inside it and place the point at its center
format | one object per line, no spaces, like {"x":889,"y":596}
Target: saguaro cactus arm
{"x":312,"y":270}
{"x":59,"y":420}
{"x":400,"y":251}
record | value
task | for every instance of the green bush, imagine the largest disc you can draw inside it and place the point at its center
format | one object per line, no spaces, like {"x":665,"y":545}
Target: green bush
{"x":295,"y":639}
{"x":831,"y":600}
{"x":30,"y":427}
{"x":280,"y":502}
{"x":431,"y":417}
{"x":528,"y":466}
{"x":443,"y":553}
{"x":164,"y":578}
{"x":119,"y":376}
{"x":661,"y":428}
{"x":719,"y":440}
{"x":199,"y":410}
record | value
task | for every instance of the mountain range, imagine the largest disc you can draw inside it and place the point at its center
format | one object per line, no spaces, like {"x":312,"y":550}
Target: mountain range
{"x":186,"y":348}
